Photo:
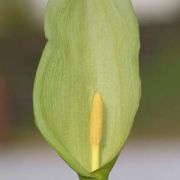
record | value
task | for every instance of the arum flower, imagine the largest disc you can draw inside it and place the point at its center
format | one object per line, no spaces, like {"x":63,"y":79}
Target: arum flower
{"x":87,"y":87}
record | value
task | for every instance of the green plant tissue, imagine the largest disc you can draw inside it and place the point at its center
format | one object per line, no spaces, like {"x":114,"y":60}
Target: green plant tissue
{"x":92,"y":45}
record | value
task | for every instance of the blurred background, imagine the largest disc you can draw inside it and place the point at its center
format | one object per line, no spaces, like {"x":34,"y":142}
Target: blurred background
{"x":153,"y":148}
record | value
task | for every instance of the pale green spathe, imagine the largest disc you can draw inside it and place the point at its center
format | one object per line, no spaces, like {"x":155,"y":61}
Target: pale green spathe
{"x":93,"y":45}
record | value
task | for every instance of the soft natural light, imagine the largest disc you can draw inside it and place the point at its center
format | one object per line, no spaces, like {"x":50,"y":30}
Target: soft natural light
{"x":147,"y":10}
{"x":157,"y":10}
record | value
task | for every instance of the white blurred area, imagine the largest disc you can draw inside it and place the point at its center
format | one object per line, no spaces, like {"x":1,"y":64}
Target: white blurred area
{"x":157,"y":11}
{"x":148,"y":11}
{"x":140,"y":160}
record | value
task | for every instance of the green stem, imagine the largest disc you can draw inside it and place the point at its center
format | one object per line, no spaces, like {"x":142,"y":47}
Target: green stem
{"x":90,"y":178}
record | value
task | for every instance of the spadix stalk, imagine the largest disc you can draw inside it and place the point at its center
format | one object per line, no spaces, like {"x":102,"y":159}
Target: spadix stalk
{"x":96,"y":130}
